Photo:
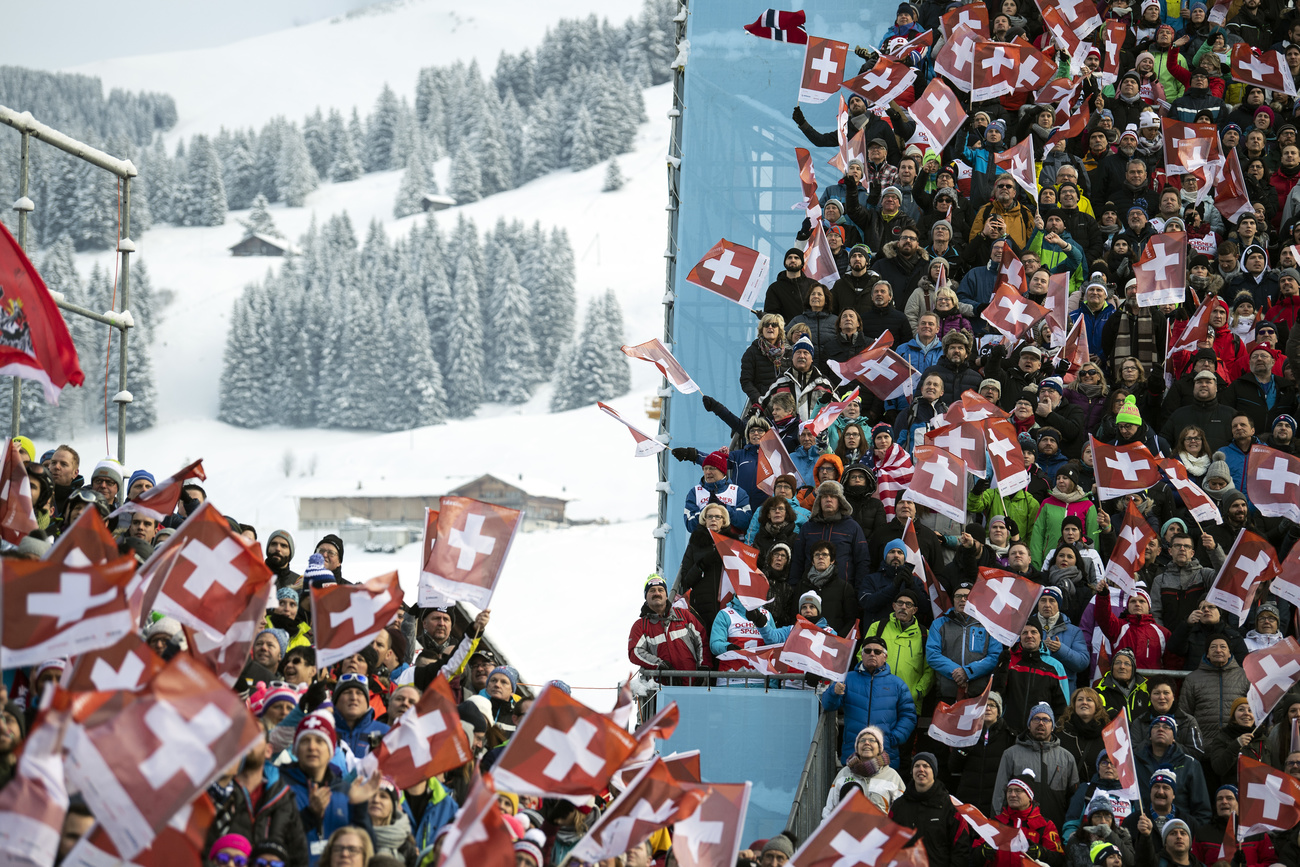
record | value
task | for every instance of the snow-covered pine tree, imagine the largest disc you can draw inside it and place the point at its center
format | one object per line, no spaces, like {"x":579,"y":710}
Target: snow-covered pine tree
{"x":259,"y":220}
{"x":439,"y":304}
{"x":495,"y":166}
{"x":160,"y":177}
{"x":586,"y":149}
{"x":205,"y":193}
{"x":555,"y":304}
{"x":345,"y":155}
{"x":95,"y":213}
{"x":542,"y":139}
{"x":316,"y":136}
{"x":429,"y":106}
{"x":240,"y":174}
{"x":619,"y":370}
{"x":266,"y":155}
{"x":580,"y":377}
{"x":562,"y":380}
{"x":414,"y":390}
{"x":466,"y":179}
{"x":613,"y":177}
{"x":381,"y":132}
{"x":512,"y":363}
{"x":513,"y":126}
{"x":294,"y":175}
{"x":359,"y":391}
{"x":404,"y":135}
{"x":463,"y":375}
{"x":245,"y":364}
{"x":416,"y":180}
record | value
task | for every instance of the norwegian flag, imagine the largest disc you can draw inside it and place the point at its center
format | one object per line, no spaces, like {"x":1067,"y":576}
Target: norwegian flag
{"x":733,"y":271}
{"x":1058,"y":311}
{"x":139,"y":757}
{"x":657,"y":354}
{"x":347,"y":617}
{"x":825,"y":418}
{"x":960,"y":724}
{"x":956,"y":60}
{"x":884,"y":372}
{"x":1197,"y":329}
{"x":1018,"y":162}
{"x":823,"y":69}
{"x":1075,"y":350}
{"x":819,"y":261}
{"x":740,"y":573}
{"x":999,"y":837}
{"x":1010,"y":313}
{"x":225,"y":657}
{"x":1123,"y":470}
{"x":426,"y":740}
{"x":128,"y":665}
{"x":939,"y":482}
{"x":1270,"y":799}
{"x":938,"y":113}
{"x":974,"y":407}
{"x":1003,"y":602}
{"x":855,"y":833}
{"x":646,"y":445}
{"x":180,"y":844}
{"x":1287,"y":584}
{"x":1272,"y":672}
{"x":562,"y":749}
{"x":882,"y":83}
{"x":1266,"y":69}
{"x":34,"y":802}
{"x":1130,"y":552}
{"x":1012,"y":272}
{"x":1161,"y":270}
{"x":1273,"y":483}
{"x":1119,"y":748}
{"x":973,"y":16}
{"x":823,"y":653}
{"x":479,"y":836}
{"x":1230,"y":194}
{"x":780,"y":26}
{"x":808,"y":181}
{"x":653,"y":801}
{"x":710,"y":836}
{"x":206,"y":575}
{"x":160,"y":501}
{"x":1064,"y":33}
{"x":966,"y":441}
{"x":939,"y":599}
{"x":39,"y":346}
{"x":1007,"y":460}
{"x":1193,"y":497}
{"x":17,"y":518}
{"x":473,"y":541}
{"x":774,"y":461}
{"x":86,"y":542}
{"x":1116,"y":31}
{"x":995,"y":67}
{"x":55,"y":610}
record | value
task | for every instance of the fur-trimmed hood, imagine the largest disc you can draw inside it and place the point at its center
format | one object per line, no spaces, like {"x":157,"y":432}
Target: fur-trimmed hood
{"x":890,"y":251}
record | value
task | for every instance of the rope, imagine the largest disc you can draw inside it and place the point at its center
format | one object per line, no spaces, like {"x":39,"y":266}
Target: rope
{"x":108,"y":353}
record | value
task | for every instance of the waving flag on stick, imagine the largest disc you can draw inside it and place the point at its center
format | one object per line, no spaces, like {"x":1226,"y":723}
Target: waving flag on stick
{"x":645,"y":444}
{"x":1119,"y":749}
{"x":160,"y":501}
{"x":657,"y":354}
{"x":37,"y":344}
{"x":1130,"y":551}
{"x":731,"y":270}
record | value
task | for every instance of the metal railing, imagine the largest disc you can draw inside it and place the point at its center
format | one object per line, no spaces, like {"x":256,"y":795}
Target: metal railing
{"x":709,"y":678}
{"x":819,"y":771}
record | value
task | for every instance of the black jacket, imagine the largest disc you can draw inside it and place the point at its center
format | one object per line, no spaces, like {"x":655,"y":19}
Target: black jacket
{"x":937,"y":822}
{"x":976,"y":767}
{"x":788,"y":297}
{"x":1247,"y":395}
{"x":274,"y":818}
{"x":759,"y":371}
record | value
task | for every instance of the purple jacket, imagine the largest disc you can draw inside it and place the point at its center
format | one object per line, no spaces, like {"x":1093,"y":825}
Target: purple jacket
{"x":1093,"y":407}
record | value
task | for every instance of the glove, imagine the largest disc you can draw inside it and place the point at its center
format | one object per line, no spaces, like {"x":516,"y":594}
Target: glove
{"x":1157,"y":371}
{"x":864,"y":53}
{"x":981,"y":486}
{"x":710,"y":404}
{"x":1013,"y":529}
{"x":687,"y":455}
{"x":1062,"y":367}
{"x":713,"y":498}
{"x":998,"y":352}
{"x":798,"y":115}
{"x":315,"y":695}
{"x":757,"y":617}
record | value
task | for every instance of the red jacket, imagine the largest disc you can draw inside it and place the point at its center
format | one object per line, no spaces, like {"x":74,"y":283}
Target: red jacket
{"x":1142,"y":635}
{"x":1207,"y":845}
{"x":676,"y":642}
{"x":1282,"y":183}
{"x":1040,"y":832}
{"x":1283,"y":310}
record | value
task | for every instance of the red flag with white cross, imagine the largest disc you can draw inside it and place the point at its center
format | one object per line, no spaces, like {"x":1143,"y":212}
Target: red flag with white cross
{"x":711,"y":836}
{"x":740,"y":573}
{"x":129,"y":665}
{"x":1003,"y":602}
{"x":1011,"y":313}
{"x":562,"y":749}
{"x":1273,"y":483}
{"x":956,"y":60}
{"x":1250,"y":562}
{"x":479,"y":836}
{"x":1035,"y":70}
{"x":818,"y":260}
{"x":1000,"y":837}
{"x":1272,"y":672}
{"x":855,"y":834}
{"x":1287,"y":584}
{"x":816,"y":651}
{"x":1080,"y":16}
{"x":733,"y":271}
{"x":160,"y":501}
{"x":1130,"y":552}
{"x":994,"y":70}
{"x":938,"y":112}
{"x":1270,"y":799}
{"x":34,"y":802}
{"x":961,"y":723}
{"x":655,"y":352}
{"x":940,"y":601}
{"x":823,"y":69}
{"x":16,"y":516}
{"x":975,"y":407}
{"x":180,"y":844}
{"x":653,"y":801}
{"x":1120,"y":751}
{"x":1005,"y":457}
{"x":808,"y":181}
{"x":1161,"y":270}
{"x":1266,"y":69}
{"x":824,"y":419}
{"x":882,"y":83}
{"x":226,"y":656}
{"x":1116,"y":31}
{"x":347,"y":617}
{"x":87,"y":541}
{"x":140,"y":757}
{"x":774,"y":461}
{"x":973,"y":16}
{"x":884,"y":372}
{"x":966,"y":441}
{"x":1057,"y":304}
{"x":646,"y":445}
{"x":1011,"y":271}
{"x":1176,"y":132}
{"x":939,"y":482}
{"x":1062,"y":29}
{"x":1193,"y":497}
{"x":1123,"y":470}
{"x":1196,"y":330}
{"x":426,"y":740}
{"x":1231,"y":195}
{"x":473,"y":540}
{"x":1018,"y":161}
{"x":1075,"y":350}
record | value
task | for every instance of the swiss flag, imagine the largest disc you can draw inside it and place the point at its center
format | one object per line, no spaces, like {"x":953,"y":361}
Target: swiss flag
{"x":740,"y":573}
{"x":1036,"y":69}
{"x":1116,"y":31}
{"x":428,"y":595}
{"x":1192,"y":495}
{"x":682,"y":767}
{"x":139,"y":757}
{"x":657,"y":354}
{"x":956,"y":60}
{"x":710,"y":836}
{"x":960,"y":724}
{"x":1064,"y":33}
{"x":855,"y":834}
{"x":34,"y":802}
{"x":1197,"y":329}
{"x":473,"y":540}
{"x":733,"y":271}
{"x":1230,"y":194}
{"x":426,"y":740}
{"x":939,"y":599}
{"x":127,"y":665}
{"x":1006,"y":459}
{"x":938,"y":113}
{"x":1069,"y":125}
{"x":824,"y":419}
{"x":995,"y":70}
{"x":973,"y":16}
{"x":54,"y":610}
{"x":1203,"y":159}
{"x":562,"y":749}
{"x":1273,"y":482}
{"x":1287,"y":584}
{"x":763,"y":660}
{"x":479,"y":835}
{"x":1058,"y":310}
{"x":1080,"y":15}
{"x":808,"y":181}
{"x":37,"y":345}
{"x":882,"y":83}
{"x":1266,"y":69}
{"x":1130,"y":551}
{"x":1018,"y":161}
{"x":819,"y":261}
{"x":965,"y":440}
{"x":1011,"y":313}
{"x":659,"y":727}
{"x":225,"y":657}
{"x":1272,"y":672}
{"x":206,"y":574}
{"x":823,"y":69}
{"x":1119,"y":748}
{"x":1003,"y":602}
{"x":1075,"y":350}
{"x":646,"y":445}
{"x":655,"y":799}
{"x":347,"y":617}
{"x":87,"y":541}
{"x":160,"y":501}
{"x":975,"y":407}
{"x":1123,"y":470}
{"x":180,"y":844}
{"x":1000,"y":837}
{"x":1270,"y":799}
{"x":16,"y":516}
{"x":774,"y":461}
{"x":884,"y":372}
{"x":811,"y":649}
{"x":1161,"y":270}
{"x":916,"y":44}
{"x":939,"y":482}
{"x":1012,"y":272}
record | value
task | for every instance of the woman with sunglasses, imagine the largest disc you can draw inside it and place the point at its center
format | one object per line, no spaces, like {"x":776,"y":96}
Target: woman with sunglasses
{"x":1088,"y":392}
{"x":766,"y":358}
{"x":231,"y":850}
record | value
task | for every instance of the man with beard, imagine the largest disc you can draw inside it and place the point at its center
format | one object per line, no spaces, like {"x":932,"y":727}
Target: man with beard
{"x":860,"y":119}
{"x":859,"y":487}
{"x":279,"y":553}
{"x":953,"y":369}
{"x":1010,"y":218}
{"x":853,"y":289}
{"x":787,"y":295}
{"x":898,"y":263}
{"x":1282,"y":437}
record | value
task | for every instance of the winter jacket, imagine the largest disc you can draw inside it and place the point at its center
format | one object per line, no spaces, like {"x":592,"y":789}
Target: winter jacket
{"x":274,"y":818}
{"x":900,"y":271}
{"x":877,"y":320}
{"x":1056,"y":773}
{"x":788,"y":297}
{"x":877,"y":591}
{"x":674,"y":640}
{"x":960,"y":641}
{"x":1256,"y":849}
{"x":758,"y":370}
{"x":1093,"y":325}
{"x":1121,"y":807}
{"x":733,"y":630}
{"x":340,"y":812}
{"x":1083,"y":741}
{"x":1044,"y":839}
{"x":851,"y":555}
{"x":1133,"y":697}
{"x":874,"y":698}
{"x":440,"y":808}
{"x":1188,"y":737}
{"x":941,"y":828}
{"x":1208,"y":693}
{"x":882,"y":787}
{"x":853,"y":291}
{"x":1211,"y":416}
{"x":1051,"y":515}
{"x":976,"y":288}
{"x":1177,"y":590}
{"x":1247,"y":395}
{"x":976,"y":767}
{"x":701,"y":573}
{"x":1139,"y":633}
{"x":1021,"y":507}
{"x":1193,"y":639}
{"x":821,"y":331}
{"x":906,"y":654}
{"x":957,"y":378}
{"x":1225,"y":749}
{"x":358,"y":735}
{"x":839,"y":600}
{"x":1073,"y":653}
{"x":1190,"y":795}
{"x":1024,"y":679}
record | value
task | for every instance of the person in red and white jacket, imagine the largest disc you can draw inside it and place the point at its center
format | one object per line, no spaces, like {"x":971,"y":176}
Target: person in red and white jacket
{"x":664,"y":636}
{"x":1135,"y":630}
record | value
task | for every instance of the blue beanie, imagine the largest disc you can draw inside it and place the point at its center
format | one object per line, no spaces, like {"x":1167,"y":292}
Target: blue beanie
{"x":286,"y":593}
{"x":316,"y":575}
{"x":561,"y":686}
{"x":508,"y":671}
{"x":279,"y":635}
{"x":895,"y":543}
{"x":141,"y":474}
{"x":1042,"y":707}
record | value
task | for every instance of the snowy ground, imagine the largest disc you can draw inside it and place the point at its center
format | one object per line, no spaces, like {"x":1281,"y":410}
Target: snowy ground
{"x":588,"y":575}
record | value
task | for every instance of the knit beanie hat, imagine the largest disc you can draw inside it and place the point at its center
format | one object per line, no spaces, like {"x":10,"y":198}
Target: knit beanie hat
{"x":320,"y":723}
{"x":780,"y":843}
{"x":1043,"y":708}
{"x":1100,"y":851}
{"x":1100,"y":803}
{"x":929,"y":759}
{"x":894,"y":544}
{"x":1171,"y":825}
{"x":991,"y":383}
{"x":333,"y":540}
{"x":238,"y":842}
{"x":999,"y":125}
{"x":1128,"y":413}
{"x":803,"y":343}
{"x":794,"y":251}
{"x":1166,"y":776}
{"x":279,"y":635}
{"x":718,"y":459}
{"x":655,"y":580}
{"x":811,"y":596}
{"x":275,"y":534}
{"x":1219,"y":468}
{"x":944,"y":223}
{"x":316,"y":575}
{"x":510,"y":672}
{"x":996,"y":699}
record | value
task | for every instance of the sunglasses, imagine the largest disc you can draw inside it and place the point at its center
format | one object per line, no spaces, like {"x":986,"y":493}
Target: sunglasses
{"x":267,"y":861}
{"x":225,"y":858}
{"x":875,"y":651}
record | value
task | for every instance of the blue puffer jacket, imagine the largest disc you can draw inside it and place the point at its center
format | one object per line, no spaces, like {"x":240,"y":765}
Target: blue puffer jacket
{"x":339,"y":813}
{"x":976,"y":288}
{"x":1073,"y":654}
{"x":877,"y":698}
{"x":804,"y":461}
{"x":920,"y":357}
{"x":441,"y":809}
{"x":356,"y":736}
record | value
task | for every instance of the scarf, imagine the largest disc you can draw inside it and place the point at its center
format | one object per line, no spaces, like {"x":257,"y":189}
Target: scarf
{"x":773,"y":351}
{"x":1196,"y":466}
{"x":1147,"y":148}
{"x":389,"y":838}
{"x":1073,"y":497}
{"x":867,"y":768}
{"x":820,"y":579}
{"x":1092,"y":389}
{"x":1138,"y":339}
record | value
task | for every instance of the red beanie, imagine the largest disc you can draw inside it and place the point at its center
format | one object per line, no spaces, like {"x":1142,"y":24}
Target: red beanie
{"x":717,"y":460}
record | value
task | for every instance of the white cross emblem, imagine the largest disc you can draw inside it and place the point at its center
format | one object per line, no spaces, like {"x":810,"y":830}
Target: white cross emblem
{"x":1161,"y":263}
{"x":940,"y":474}
{"x":1019,"y":166}
{"x":1112,"y":53}
{"x":964,"y":17}
{"x":969,"y":715}
{"x":1127,"y":466}
{"x":938,"y":112}
{"x":570,"y":748}
{"x":1120,"y":759}
{"x":1277,"y":676}
{"x":696,"y":832}
{"x":414,"y":732}
{"x":824,"y":66}
{"x":964,"y":53}
{"x":877,"y":81}
{"x":1000,"y":447}
{"x":1271,"y":795}
{"x":361,"y":610}
{"x":471,"y":540}
{"x":1277,"y":476}
{"x":989,"y":832}
{"x":1027,"y":72}
{"x":475,"y":833}
{"x":998,"y":60}
{"x":1003,"y":594}
{"x":722,"y":270}
{"x":1133,"y":536}
{"x":854,"y":851}
{"x":954,"y":442}
{"x":72,"y":601}
{"x":877,"y":367}
{"x":1070,"y":8}
{"x":1257,"y":67}
{"x":1252,"y":568}
{"x":1017,"y":309}
{"x":127,"y":676}
{"x":817,"y":644}
{"x":185,"y":743}
{"x":617,"y":833}
{"x":212,"y":566}
{"x":744,"y":575}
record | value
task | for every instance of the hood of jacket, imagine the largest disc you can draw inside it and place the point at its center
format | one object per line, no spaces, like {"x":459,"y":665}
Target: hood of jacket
{"x":891,"y":251}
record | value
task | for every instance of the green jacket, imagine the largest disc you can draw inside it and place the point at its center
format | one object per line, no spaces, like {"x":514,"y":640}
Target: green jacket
{"x":1057,"y":260}
{"x":1020,"y":507}
{"x":1047,"y":525}
{"x":906,"y":654}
